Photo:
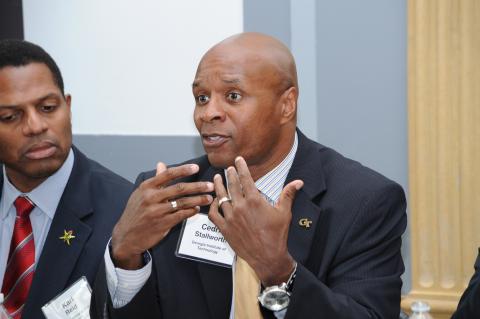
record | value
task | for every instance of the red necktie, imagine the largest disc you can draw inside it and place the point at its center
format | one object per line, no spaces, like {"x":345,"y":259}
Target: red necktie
{"x":21,"y":260}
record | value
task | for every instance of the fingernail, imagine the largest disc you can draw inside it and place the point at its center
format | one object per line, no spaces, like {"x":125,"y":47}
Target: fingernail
{"x":194,"y":168}
{"x":210,"y":198}
{"x":298,"y":185}
{"x":197,"y":208}
{"x":209,"y":186}
{"x":238,"y":158}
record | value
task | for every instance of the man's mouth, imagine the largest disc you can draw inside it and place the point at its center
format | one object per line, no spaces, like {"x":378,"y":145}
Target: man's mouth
{"x":40,"y":151}
{"x":213,"y":140}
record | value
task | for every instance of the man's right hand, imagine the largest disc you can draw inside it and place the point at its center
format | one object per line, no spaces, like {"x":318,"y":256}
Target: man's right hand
{"x":149,"y":215}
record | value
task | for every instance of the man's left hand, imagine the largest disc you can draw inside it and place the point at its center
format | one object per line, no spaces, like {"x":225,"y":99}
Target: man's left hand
{"x":256,"y":230}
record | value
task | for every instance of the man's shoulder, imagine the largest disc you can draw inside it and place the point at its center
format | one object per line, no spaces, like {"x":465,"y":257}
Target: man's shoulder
{"x":100,"y":176}
{"x":340,"y":167}
{"x":345,"y":174}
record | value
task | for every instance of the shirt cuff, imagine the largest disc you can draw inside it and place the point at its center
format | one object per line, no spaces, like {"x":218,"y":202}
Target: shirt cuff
{"x":123,"y":284}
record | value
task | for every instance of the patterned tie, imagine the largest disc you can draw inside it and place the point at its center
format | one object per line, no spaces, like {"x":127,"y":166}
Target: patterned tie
{"x":247,"y":286}
{"x":21,"y":260}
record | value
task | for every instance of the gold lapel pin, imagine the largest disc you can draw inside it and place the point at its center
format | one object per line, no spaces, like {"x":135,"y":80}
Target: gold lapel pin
{"x":305,"y":222}
{"x":67,"y":236}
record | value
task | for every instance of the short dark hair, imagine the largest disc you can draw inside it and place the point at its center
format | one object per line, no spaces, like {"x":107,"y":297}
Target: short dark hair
{"x":20,"y":53}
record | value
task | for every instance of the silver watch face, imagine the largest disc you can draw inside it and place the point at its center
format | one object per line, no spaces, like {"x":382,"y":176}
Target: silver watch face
{"x":275,"y":298}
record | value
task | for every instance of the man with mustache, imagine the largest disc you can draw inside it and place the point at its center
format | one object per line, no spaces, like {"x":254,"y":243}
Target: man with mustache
{"x":316,"y":235}
{"x":57,"y":207}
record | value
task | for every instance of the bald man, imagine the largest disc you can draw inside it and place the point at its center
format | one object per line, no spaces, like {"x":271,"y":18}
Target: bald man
{"x":313,"y":234}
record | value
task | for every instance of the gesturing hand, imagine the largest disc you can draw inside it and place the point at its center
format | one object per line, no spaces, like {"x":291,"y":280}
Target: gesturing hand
{"x":256,"y":230}
{"x":149,"y":214}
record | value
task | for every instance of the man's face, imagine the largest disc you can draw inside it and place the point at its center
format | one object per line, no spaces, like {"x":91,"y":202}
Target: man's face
{"x":35,"y":124}
{"x":237,"y":109}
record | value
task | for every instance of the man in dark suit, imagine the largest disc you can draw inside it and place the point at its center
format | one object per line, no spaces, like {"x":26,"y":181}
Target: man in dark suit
{"x":57,"y":207}
{"x":325,"y":245}
{"x":469,"y":305}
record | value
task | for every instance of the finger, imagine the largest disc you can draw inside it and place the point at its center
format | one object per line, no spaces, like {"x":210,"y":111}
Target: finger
{"x":172,"y":173}
{"x":188,"y":202}
{"x":180,"y":215}
{"x":161,"y":167}
{"x":246,"y":180}
{"x":216,"y":217}
{"x":234,"y":187}
{"x":222,"y":192}
{"x":182,"y":189}
{"x":288,"y":195}
{"x":155,"y":211}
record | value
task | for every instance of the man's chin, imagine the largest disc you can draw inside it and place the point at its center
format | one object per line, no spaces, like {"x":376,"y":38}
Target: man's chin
{"x":41,"y":170}
{"x":220,"y":160}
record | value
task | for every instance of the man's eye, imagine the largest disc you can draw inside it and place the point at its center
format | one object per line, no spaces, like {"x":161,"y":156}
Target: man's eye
{"x":8,"y":117}
{"x":202,"y":99}
{"x":47,"y":108}
{"x":234,"y":96}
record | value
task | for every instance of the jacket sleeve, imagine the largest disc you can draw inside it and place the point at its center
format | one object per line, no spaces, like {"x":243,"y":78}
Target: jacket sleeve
{"x":145,"y":303}
{"x":469,"y":305}
{"x":363,"y":280}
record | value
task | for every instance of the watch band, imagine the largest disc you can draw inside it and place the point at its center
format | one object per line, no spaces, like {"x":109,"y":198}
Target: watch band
{"x":291,"y":279}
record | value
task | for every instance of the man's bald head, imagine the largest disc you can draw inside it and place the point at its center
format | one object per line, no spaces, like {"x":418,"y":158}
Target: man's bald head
{"x":246,"y":94}
{"x":262,"y":49}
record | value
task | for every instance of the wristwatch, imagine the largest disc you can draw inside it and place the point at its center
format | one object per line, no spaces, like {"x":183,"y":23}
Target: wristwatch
{"x":277,"y":297}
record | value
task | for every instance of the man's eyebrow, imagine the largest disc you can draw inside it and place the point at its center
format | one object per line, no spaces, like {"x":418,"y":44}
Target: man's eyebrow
{"x":37,"y":101}
{"x":231,"y":81}
{"x":227,"y":81}
{"x":46,"y":97}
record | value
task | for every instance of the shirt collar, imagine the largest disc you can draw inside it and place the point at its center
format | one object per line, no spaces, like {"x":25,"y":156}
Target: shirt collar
{"x":271,"y":184}
{"x":46,"y":196}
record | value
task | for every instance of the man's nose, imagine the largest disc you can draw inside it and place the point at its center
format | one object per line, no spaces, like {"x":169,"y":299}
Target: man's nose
{"x":34,"y":123}
{"x":214,"y":110}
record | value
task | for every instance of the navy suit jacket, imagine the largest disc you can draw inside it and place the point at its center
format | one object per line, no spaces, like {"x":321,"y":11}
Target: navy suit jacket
{"x":349,"y":261}
{"x":469,"y":305}
{"x":91,"y":204}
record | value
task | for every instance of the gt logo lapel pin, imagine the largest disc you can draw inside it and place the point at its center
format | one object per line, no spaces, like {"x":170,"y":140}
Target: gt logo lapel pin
{"x":305,"y":222}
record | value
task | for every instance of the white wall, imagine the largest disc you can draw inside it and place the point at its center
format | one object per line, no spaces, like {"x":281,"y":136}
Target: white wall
{"x":129,"y":64}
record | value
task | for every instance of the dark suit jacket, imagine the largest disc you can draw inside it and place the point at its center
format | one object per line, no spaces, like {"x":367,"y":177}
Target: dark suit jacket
{"x":91,"y":204}
{"x":469,"y":305}
{"x":349,"y":261}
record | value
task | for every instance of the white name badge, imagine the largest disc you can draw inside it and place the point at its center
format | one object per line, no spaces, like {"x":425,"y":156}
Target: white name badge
{"x":73,"y":303}
{"x":202,"y":241}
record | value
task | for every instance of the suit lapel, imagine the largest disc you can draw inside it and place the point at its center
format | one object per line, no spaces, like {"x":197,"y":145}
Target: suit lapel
{"x":58,"y":259}
{"x":216,"y":280}
{"x":307,"y":167}
{"x":304,"y":212}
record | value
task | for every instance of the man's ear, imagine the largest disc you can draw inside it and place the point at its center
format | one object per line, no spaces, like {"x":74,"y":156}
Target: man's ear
{"x":68,"y":100}
{"x":289,"y":104}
